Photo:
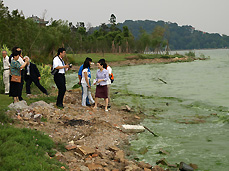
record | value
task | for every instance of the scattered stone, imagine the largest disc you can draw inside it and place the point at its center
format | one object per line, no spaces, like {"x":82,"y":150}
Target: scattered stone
{"x":119,"y":155}
{"x":93,"y":166}
{"x":19,"y":105}
{"x":161,"y":151}
{"x":157,"y":168}
{"x":162,"y":161}
{"x":185,"y":167}
{"x":70,"y":146}
{"x":41,"y":104}
{"x":62,"y":167}
{"x":84,"y":168}
{"x":128,"y":108}
{"x":113,"y":148}
{"x":143,"y":165}
{"x":137,"y":117}
{"x":194,"y":166}
{"x":145,"y":169}
{"x":84,"y":150}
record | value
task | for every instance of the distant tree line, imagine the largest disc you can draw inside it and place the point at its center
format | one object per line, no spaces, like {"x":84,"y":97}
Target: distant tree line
{"x":41,"y":42}
{"x":179,"y":37}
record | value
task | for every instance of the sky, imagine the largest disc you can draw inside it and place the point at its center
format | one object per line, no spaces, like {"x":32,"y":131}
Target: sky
{"x":205,"y":15}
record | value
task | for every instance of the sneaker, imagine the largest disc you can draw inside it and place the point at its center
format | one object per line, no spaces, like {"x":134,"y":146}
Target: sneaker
{"x":88,"y":104}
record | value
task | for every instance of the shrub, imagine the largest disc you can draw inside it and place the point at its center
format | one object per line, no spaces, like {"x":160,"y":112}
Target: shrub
{"x":190,"y":54}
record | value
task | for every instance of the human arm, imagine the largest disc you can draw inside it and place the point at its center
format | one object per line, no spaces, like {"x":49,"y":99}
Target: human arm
{"x":86,"y":79}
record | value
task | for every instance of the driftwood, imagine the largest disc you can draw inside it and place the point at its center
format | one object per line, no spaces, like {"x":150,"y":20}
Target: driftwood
{"x":150,"y":131}
{"x":162,"y":81}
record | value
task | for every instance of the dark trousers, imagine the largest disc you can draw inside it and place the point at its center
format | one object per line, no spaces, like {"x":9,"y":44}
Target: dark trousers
{"x":21,"y":85}
{"x":60,"y":83}
{"x":36,"y":82}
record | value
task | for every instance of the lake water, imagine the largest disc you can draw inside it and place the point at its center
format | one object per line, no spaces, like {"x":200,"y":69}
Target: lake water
{"x":182,"y":112}
{"x":194,"y":91}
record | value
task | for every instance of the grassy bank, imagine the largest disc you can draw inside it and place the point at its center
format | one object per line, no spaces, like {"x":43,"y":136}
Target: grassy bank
{"x":79,"y":58}
{"x":25,"y":149}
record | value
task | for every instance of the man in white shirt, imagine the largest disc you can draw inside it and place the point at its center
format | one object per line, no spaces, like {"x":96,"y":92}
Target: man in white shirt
{"x":59,"y":77}
{"x":6,"y":72}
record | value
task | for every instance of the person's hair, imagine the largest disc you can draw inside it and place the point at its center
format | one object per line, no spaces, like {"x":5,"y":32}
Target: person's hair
{"x":60,"y":50}
{"x":88,"y":59}
{"x":86,"y":64}
{"x":102,"y":60}
{"x":4,"y":51}
{"x":103,"y":63}
{"x":16,"y":53}
{"x":15,"y":49}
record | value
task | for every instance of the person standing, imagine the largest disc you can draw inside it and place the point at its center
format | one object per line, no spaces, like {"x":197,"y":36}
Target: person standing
{"x":15,"y":69}
{"x":59,"y":77}
{"x":86,"y":86}
{"x":32,"y":74}
{"x":6,"y":72}
{"x":101,"y":80}
{"x":20,"y":60}
{"x":89,"y":77}
{"x":109,"y":70}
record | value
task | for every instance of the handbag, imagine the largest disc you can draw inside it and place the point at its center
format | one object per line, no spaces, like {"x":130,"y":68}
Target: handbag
{"x":15,"y":78}
{"x":54,"y":71}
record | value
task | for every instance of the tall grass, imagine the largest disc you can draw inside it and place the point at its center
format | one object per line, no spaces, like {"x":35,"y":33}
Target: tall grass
{"x":24,"y":149}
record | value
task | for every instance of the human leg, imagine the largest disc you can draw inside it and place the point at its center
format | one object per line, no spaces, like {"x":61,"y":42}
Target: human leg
{"x":84,"y":95}
{"x":27,"y":85}
{"x":60,"y":83}
{"x":106,"y":103}
{"x":6,"y":80}
{"x":42,"y":89}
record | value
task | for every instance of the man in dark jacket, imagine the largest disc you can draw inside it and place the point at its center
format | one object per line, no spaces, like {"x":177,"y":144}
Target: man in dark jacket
{"x":32,"y":74}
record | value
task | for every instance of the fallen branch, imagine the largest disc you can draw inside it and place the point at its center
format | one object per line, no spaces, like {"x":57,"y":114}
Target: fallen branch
{"x":150,"y":131}
{"x":162,"y":81}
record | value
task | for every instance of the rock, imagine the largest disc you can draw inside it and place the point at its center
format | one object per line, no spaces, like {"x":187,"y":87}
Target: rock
{"x":113,"y":148}
{"x":93,"y":166}
{"x":28,"y":115}
{"x":132,"y":167}
{"x":132,"y":128}
{"x":84,"y":150}
{"x":161,"y":151}
{"x":70,"y":146}
{"x":162,"y":161}
{"x":58,"y":155}
{"x":145,"y":169}
{"x":84,"y":168}
{"x":157,"y":168}
{"x":119,"y":155}
{"x":19,"y":105}
{"x":143,"y":165}
{"x":128,"y":108}
{"x":185,"y":167}
{"x":41,"y":104}
{"x":194,"y":166}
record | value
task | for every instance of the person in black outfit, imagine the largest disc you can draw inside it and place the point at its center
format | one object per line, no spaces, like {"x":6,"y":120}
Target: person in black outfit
{"x":59,"y":77}
{"x":32,"y":74}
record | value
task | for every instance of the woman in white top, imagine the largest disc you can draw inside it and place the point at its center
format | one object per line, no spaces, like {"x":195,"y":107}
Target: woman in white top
{"x":85,"y":83}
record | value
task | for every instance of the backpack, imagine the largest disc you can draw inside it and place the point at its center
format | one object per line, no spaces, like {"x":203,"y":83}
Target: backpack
{"x":112,"y":77}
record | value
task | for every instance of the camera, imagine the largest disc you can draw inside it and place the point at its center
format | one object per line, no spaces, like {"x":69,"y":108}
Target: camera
{"x":70,"y":65}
